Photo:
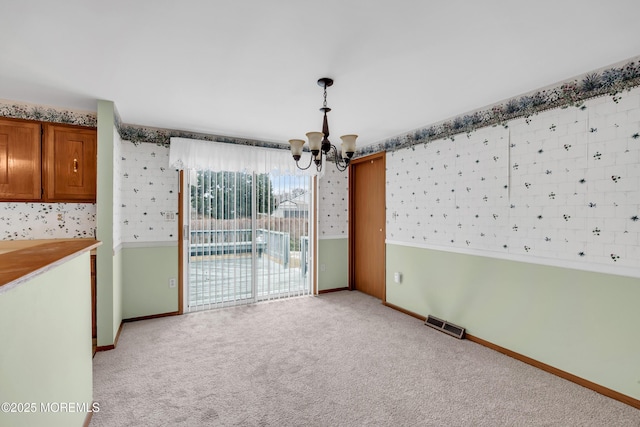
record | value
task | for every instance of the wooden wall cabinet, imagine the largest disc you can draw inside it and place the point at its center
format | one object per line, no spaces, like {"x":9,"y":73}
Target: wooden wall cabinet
{"x":69,"y":164}
{"x":20,"y":178}
{"x":47,"y":162}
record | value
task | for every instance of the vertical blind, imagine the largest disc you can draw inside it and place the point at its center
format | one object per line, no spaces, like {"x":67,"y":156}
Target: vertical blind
{"x":248,"y":229}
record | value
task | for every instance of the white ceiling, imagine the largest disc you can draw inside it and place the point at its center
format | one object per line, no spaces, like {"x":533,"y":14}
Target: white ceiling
{"x":249,"y":68}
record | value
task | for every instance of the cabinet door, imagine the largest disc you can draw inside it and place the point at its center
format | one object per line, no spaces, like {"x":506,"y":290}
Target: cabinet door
{"x":20,"y":178}
{"x":69,"y":164}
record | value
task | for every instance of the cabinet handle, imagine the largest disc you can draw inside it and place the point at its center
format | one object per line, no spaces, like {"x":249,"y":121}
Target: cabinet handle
{"x":75,"y":165}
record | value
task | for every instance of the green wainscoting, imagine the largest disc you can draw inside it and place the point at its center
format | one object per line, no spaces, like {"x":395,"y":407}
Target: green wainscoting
{"x":580,"y":322}
{"x":333,"y":254}
{"x":145,"y":281}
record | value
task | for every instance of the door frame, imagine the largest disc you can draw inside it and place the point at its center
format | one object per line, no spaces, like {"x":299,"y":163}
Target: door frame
{"x":181,"y":235}
{"x":352,"y":219}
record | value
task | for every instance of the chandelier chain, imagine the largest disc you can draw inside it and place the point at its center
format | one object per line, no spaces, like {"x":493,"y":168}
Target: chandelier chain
{"x":324,"y":105}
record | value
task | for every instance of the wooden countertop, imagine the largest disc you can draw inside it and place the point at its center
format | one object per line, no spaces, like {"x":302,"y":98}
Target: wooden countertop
{"x":20,"y":260}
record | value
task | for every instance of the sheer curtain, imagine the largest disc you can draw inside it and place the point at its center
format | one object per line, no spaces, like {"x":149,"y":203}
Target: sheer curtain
{"x":218,"y":156}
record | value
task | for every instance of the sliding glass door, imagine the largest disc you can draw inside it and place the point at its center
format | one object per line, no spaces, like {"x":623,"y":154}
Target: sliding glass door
{"x":247,"y":237}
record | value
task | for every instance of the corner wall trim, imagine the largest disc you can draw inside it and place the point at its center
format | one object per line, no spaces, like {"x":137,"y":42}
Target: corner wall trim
{"x":87,"y":418}
{"x":115,"y":342}
{"x":152,"y":316}
{"x":327,"y":291}
{"x":540,"y":365}
{"x":407,"y":312}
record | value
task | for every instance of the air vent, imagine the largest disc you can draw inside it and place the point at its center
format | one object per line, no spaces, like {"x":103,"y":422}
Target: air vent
{"x":444,"y":326}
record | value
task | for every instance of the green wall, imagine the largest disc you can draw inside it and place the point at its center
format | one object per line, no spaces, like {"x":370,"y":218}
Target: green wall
{"x":146,"y":273}
{"x":109,"y":281}
{"x":334,"y":255}
{"x":45,"y":336}
{"x":580,"y":322}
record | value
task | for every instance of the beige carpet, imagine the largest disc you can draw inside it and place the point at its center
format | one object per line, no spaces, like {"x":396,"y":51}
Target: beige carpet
{"x":340,"y":359}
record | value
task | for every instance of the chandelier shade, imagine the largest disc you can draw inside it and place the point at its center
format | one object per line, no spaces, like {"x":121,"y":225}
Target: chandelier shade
{"x":315,"y":141}
{"x":348,"y":146}
{"x":296,"y":148}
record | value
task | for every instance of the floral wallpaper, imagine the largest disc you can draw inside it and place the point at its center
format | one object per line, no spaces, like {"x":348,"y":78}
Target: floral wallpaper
{"x":148,"y":195}
{"x":562,"y":184}
{"x":24,"y":221}
{"x":448,"y":193}
{"x":117,"y":190}
{"x":333,"y":204}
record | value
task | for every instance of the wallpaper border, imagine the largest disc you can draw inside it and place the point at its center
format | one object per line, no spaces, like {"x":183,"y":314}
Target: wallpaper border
{"x":610,"y":81}
{"x":146,"y":134}
{"x":43,"y":113}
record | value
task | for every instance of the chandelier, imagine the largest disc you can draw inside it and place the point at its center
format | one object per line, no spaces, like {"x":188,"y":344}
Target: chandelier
{"x":319,"y":143}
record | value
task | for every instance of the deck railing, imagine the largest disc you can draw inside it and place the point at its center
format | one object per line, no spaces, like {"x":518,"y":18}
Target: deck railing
{"x":276,"y":244}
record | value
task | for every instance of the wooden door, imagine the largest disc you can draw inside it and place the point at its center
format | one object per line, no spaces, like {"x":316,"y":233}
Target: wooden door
{"x":367,"y":225}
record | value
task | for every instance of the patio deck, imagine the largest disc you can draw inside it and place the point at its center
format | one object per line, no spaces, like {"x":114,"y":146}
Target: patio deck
{"x":216,"y":281}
